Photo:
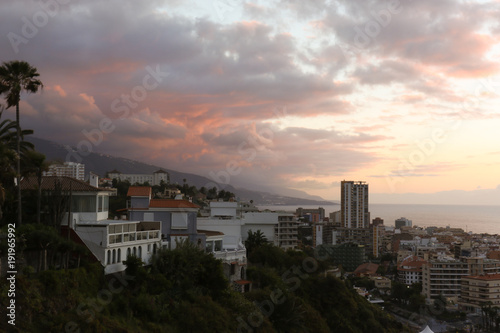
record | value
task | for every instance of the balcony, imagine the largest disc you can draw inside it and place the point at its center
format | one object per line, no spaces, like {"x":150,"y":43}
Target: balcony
{"x":127,"y":237}
{"x":233,"y":255}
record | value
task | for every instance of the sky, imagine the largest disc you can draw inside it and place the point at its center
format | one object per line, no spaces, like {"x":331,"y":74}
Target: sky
{"x":273,"y":95}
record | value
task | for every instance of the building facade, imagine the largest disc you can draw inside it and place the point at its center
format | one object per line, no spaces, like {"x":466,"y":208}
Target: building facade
{"x":442,"y":276}
{"x":135,"y":178}
{"x":68,"y":169}
{"x":178,"y":217}
{"x":87,"y":223}
{"x":479,"y":290}
{"x":402,"y":222}
{"x":410,"y":270}
{"x":354,"y":213}
{"x":285,"y":232}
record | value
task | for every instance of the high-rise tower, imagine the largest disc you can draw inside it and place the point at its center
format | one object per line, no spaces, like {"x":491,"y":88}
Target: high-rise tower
{"x":354,"y":205}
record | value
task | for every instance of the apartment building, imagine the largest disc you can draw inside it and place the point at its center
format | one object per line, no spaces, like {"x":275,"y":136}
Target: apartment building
{"x":67,"y":169}
{"x":153,"y":179}
{"x":285,"y":232}
{"x":479,"y":290}
{"x":410,"y":270}
{"x":442,"y":276}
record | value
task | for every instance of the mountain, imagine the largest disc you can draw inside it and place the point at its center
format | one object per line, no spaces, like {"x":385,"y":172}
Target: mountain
{"x":101,"y":163}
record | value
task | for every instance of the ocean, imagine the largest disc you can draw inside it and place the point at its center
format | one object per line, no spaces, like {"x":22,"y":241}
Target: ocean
{"x":475,"y":218}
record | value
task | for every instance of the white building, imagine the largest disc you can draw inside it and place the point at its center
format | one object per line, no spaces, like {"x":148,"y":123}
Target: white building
{"x":153,"y":179}
{"x":228,"y":218}
{"x":112,"y":241}
{"x":68,"y":169}
{"x":410,"y":270}
{"x":234,"y":260}
{"x":109,"y":241}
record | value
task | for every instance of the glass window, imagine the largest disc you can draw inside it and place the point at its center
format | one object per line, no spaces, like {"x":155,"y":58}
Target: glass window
{"x":208,"y":246}
{"x":105,"y":205}
{"x":218,"y":245}
{"x":83,"y":204}
{"x":119,"y":255}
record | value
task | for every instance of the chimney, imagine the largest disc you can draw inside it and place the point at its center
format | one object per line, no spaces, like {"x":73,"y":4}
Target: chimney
{"x":94,"y":179}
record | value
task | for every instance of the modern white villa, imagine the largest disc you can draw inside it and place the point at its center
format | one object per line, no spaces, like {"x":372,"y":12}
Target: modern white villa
{"x":109,"y":241}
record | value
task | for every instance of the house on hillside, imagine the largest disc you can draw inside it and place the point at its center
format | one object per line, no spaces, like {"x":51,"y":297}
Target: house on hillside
{"x":86,"y":220}
{"x":178,"y":217}
{"x":233,"y":259}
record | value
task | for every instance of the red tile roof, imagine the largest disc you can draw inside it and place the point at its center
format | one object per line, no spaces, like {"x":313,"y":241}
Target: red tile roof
{"x":66,"y":183}
{"x":139,"y":191}
{"x":171,"y":203}
{"x":413,"y":263}
{"x":367,"y":268}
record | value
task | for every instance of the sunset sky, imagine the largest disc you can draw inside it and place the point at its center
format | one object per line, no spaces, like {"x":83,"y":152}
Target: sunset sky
{"x":269,"y":95}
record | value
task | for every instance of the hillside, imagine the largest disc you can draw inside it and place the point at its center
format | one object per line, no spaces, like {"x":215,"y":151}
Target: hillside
{"x":100,"y":164}
{"x":184,"y":290}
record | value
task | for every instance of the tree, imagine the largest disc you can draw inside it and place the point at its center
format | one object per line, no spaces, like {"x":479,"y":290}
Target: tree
{"x":15,"y":77}
{"x":7,"y":156}
{"x":36,"y":164}
{"x":254,"y":240}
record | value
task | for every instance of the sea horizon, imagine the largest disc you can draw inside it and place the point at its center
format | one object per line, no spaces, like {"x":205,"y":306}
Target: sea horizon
{"x":475,"y":218}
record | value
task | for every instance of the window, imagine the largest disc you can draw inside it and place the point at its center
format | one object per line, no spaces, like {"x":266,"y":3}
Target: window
{"x":128,"y":252}
{"x":134,"y":252}
{"x":179,"y":220}
{"x":109,"y":257}
{"x":114,"y":256}
{"x":140,"y":252}
{"x":119,"y":255}
{"x":83,"y":204}
{"x":102,"y":203}
{"x":209,"y":246}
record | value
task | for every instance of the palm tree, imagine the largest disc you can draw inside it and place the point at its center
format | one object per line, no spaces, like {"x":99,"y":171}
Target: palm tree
{"x":7,"y":155}
{"x":16,"y":77}
{"x":35,"y":165}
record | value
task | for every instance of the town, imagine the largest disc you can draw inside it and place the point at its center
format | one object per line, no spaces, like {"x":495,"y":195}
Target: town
{"x":434,"y":274}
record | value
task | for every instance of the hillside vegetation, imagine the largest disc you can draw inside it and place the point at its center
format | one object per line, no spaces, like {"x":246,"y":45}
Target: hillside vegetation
{"x":184,"y":290}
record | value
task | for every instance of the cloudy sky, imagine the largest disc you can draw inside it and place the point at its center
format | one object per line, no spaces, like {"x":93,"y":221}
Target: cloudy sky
{"x":271,"y":94}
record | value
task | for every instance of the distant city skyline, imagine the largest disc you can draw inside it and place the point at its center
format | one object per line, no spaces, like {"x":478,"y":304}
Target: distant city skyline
{"x":274,"y":95}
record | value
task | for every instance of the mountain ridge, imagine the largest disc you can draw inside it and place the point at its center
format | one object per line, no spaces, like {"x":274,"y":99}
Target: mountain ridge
{"x":100,"y":164}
